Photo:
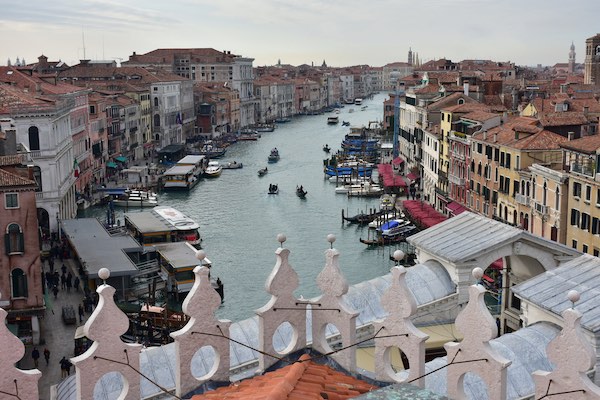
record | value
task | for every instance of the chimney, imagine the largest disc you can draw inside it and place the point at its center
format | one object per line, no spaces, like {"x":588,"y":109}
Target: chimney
{"x":586,"y":109}
{"x":495,"y":137}
{"x":466,"y":88}
{"x":570,"y":136}
{"x":484,"y":135}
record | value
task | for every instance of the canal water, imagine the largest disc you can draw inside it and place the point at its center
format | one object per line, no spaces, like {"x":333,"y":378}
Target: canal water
{"x":239,"y":220}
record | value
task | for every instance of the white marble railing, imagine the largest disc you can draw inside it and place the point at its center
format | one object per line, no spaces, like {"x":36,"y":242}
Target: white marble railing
{"x":570,"y":352}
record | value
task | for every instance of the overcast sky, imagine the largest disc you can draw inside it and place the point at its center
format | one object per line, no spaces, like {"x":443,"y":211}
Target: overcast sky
{"x":341,"y":32}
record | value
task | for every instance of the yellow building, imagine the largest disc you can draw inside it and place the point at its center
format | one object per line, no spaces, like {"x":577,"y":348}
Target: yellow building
{"x":505,"y":154}
{"x":582,"y":158}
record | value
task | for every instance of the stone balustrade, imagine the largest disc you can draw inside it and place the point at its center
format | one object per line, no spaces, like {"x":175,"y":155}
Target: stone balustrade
{"x":209,"y":337}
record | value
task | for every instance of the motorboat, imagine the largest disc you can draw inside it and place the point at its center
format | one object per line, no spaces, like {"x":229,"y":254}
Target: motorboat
{"x":263,"y":171}
{"x":393,"y":227}
{"x":273,"y":188}
{"x":326,"y":148}
{"x":333,"y":120}
{"x":135,"y":198}
{"x":233,"y":165}
{"x":282,"y":120}
{"x":345,"y":123}
{"x":274,"y":156}
{"x":387,"y":217}
{"x":213,"y":169}
{"x":264,"y":128}
{"x":367,"y":190}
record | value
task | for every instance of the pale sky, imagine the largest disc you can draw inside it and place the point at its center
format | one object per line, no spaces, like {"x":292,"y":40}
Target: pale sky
{"x":341,"y":32}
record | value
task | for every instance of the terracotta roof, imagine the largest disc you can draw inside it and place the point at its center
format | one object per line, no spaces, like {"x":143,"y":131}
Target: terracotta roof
{"x":586,"y":144}
{"x":304,"y":379}
{"x":10,"y":179}
{"x":480,"y":116}
{"x":160,"y":56}
{"x":467,"y":108}
{"x":562,"y":118}
{"x":522,"y":133}
{"x":13,"y":99}
{"x":34,"y":83}
{"x":449,"y":100}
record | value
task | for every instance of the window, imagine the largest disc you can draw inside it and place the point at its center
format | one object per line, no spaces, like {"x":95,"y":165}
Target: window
{"x":11,"y":200}
{"x":156,"y":120}
{"x":518,"y":163}
{"x":557,"y":198}
{"x":13,"y":240}
{"x":92,"y":109}
{"x":596,"y":252}
{"x":588,"y":193}
{"x":575,"y":217}
{"x":480,"y":148}
{"x":34,"y":138}
{"x":595,"y":226}
{"x":545,"y":193}
{"x":585,"y":221}
{"x":19,"y":283}
{"x":156,"y":102}
{"x":507,"y":160}
{"x":574,"y":244}
{"x":576,"y":189}
{"x":584,"y":248}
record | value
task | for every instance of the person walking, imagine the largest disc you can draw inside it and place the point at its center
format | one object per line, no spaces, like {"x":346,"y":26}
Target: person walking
{"x":35,"y":354}
{"x":47,"y":355}
{"x":69,"y":281}
{"x":63,"y":367}
{"x":63,"y":281}
{"x":81,"y":312}
{"x":76,"y":284}
{"x":55,"y":291}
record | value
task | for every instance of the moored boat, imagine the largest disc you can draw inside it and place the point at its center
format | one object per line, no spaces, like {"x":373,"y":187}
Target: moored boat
{"x":135,"y":198}
{"x":264,"y":128}
{"x":233,"y":165}
{"x":185,"y":174}
{"x":282,"y":120}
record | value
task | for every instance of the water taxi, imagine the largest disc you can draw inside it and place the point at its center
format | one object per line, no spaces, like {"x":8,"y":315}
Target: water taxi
{"x":274,"y":156}
{"x":213,"y":170}
{"x":162,"y":225}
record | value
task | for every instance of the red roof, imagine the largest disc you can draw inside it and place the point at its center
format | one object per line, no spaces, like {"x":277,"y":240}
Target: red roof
{"x":304,"y":379}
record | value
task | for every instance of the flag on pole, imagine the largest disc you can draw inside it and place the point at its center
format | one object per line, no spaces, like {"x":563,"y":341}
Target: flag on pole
{"x":75,"y":168}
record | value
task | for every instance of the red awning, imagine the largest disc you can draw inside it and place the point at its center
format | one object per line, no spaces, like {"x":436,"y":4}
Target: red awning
{"x":412,"y":177}
{"x":487,"y":278}
{"x":498,"y":264}
{"x":398,"y":161}
{"x":455,"y":208}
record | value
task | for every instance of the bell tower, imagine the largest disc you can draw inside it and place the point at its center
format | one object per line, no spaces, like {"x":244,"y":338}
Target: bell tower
{"x":572,"y":59}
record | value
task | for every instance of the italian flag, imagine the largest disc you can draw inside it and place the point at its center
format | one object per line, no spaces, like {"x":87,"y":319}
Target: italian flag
{"x":75,"y":168}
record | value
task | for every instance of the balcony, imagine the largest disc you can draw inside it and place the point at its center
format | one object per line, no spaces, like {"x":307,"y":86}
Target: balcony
{"x":584,"y":169}
{"x":456,"y":180}
{"x":457,"y":155}
{"x":522,"y":199}
{"x":540,"y":208}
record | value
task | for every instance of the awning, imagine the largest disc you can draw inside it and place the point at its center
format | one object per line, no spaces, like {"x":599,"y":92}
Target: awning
{"x":412,"y":177}
{"x":111,"y":164}
{"x":398,"y":161}
{"x":121,"y":159}
{"x":455,"y":208}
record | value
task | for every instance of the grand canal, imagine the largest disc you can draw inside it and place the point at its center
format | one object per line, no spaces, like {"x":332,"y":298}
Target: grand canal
{"x":240,"y":221}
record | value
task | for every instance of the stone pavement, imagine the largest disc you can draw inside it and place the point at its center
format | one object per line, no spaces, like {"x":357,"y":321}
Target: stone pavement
{"x":57,"y":335}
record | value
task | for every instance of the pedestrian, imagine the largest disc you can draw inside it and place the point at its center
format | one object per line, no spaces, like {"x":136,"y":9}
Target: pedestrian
{"x":81,"y":312}
{"x":63,"y":367}
{"x":76,"y":284}
{"x":69,"y":281}
{"x":35,"y":354}
{"x":55,"y":291}
{"x":51,"y":263}
{"x":63,"y":281}
{"x":63,"y":268}
{"x":47,"y":355}
{"x":69,"y":365}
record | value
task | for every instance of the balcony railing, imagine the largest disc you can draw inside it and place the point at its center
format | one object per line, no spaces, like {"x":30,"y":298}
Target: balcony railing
{"x":456,"y":180}
{"x":522,"y":199}
{"x":584,"y":169}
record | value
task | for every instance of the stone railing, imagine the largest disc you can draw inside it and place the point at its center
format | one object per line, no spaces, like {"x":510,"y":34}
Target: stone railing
{"x":570,"y":352}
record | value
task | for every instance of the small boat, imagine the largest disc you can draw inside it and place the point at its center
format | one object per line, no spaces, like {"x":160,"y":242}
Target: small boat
{"x":333,"y":120}
{"x":273,"y":188}
{"x":282,"y":120}
{"x":345,"y":123}
{"x":300,"y":192}
{"x":263,"y":171}
{"x":358,"y":101}
{"x":248,"y":134}
{"x":233,"y":165}
{"x":274,"y":156}
{"x":264,"y":128}
{"x":361,"y":218}
{"x":367,"y":190}
{"x":213,"y":169}
{"x":326,"y":148}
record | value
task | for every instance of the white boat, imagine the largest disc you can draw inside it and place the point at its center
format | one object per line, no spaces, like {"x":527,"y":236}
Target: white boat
{"x":358,"y":101}
{"x":348,"y":180}
{"x":383,"y":218}
{"x":387,"y":202}
{"x":333,"y":120}
{"x":393,"y":226}
{"x":136,"y":198}
{"x":213,"y":169}
{"x":366,"y":190}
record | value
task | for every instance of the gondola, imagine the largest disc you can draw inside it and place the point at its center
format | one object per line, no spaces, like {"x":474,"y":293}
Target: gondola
{"x":273,"y":188}
{"x":300,"y":192}
{"x":263,"y":171}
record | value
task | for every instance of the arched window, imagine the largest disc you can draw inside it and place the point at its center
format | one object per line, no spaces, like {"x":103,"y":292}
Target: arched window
{"x":156,"y":102}
{"x":472,"y":166}
{"x":545,"y":194}
{"x":528,"y":188}
{"x":523,"y":187}
{"x":479,"y":169}
{"x":557,"y":198}
{"x":461,"y":101}
{"x":34,"y":138}
{"x":156,"y":120}
{"x":18,"y":283}
{"x":13,"y":240}
{"x":533,"y":189}
{"x":554,"y":233}
{"x":526,"y":222}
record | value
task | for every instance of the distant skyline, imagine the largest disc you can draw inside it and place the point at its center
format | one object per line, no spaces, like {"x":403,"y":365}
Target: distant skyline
{"x":339,"y":32}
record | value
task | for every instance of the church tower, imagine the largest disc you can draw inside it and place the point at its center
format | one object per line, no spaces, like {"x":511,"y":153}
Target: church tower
{"x":592,"y":60}
{"x":572,"y":59}
{"x":410,"y":56}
